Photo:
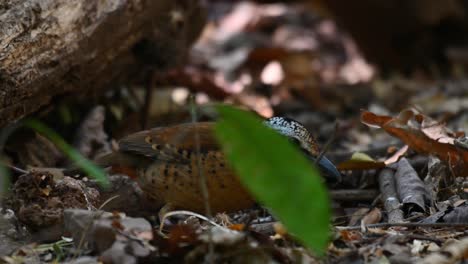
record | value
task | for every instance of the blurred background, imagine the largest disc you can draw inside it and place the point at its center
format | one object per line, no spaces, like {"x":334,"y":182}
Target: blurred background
{"x":96,"y":71}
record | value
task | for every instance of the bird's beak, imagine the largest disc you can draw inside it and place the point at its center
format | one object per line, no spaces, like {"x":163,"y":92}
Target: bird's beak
{"x":329,"y":169}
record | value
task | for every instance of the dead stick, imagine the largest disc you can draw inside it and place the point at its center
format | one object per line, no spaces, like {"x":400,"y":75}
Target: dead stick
{"x":16,"y":169}
{"x":203,"y":181}
{"x":386,"y":225}
{"x":267,"y":228}
{"x":354,"y":195}
{"x":327,"y":144}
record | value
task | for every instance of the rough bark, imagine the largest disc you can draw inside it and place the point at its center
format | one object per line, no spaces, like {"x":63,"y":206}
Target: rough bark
{"x":52,"y":47}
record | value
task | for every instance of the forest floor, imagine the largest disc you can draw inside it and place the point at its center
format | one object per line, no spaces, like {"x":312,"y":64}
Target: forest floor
{"x":398,"y":141}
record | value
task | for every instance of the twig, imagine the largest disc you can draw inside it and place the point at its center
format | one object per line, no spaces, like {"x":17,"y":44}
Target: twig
{"x":268,"y":227}
{"x":386,"y":225}
{"x":377,"y":199}
{"x":203,"y":182}
{"x":327,"y":144}
{"x":19,"y":170}
{"x":354,"y":195}
{"x":88,"y":226}
{"x":202,"y":178}
{"x":108,"y":201}
{"x":185,"y":212}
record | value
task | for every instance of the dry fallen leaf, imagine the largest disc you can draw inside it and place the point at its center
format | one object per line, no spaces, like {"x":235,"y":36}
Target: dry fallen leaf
{"x":372,"y":217}
{"x":357,"y":216}
{"x":411,"y":189}
{"x":178,"y":239}
{"x":397,"y":155}
{"x":424,"y":135}
{"x":360,"y":161}
{"x":237,"y":227}
{"x":348,"y":235}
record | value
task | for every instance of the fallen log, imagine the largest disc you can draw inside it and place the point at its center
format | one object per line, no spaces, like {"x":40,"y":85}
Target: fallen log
{"x":54,"y":47}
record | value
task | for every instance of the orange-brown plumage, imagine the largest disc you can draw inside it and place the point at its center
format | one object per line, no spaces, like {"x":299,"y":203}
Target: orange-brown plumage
{"x":166,"y":164}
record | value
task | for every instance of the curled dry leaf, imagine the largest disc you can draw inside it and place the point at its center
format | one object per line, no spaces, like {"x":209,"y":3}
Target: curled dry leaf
{"x":411,"y":189}
{"x":424,"y":135}
{"x":237,"y":227}
{"x":397,"y":155}
{"x":348,"y":235}
{"x":179,"y":238}
{"x":372,"y":217}
{"x":357,"y":216}
{"x":389,"y":196}
{"x":107,"y":232}
{"x":457,"y":215}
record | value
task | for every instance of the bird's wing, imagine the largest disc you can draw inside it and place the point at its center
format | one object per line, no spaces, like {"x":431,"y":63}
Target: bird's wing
{"x":175,"y":143}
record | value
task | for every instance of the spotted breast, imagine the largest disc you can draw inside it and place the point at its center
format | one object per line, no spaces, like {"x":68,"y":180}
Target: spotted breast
{"x":168,"y":162}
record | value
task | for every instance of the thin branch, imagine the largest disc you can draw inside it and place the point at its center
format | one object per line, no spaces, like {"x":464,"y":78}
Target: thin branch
{"x":202,"y":177}
{"x":386,"y":225}
{"x":354,"y":195}
{"x":108,"y":201}
{"x":268,"y":226}
{"x":16,"y":169}
{"x":203,"y":181}
{"x":185,"y":212}
{"x":327,"y":144}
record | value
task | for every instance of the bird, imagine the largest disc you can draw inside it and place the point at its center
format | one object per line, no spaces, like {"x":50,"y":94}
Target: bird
{"x":165,"y":163}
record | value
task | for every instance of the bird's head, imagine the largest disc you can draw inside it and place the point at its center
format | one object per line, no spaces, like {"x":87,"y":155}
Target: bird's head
{"x":300,"y":136}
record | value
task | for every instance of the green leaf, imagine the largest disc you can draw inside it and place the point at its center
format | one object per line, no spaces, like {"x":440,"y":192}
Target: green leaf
{"x":277,"y":174}
{"x":86,"y":165}
{"x":360,"y":156}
